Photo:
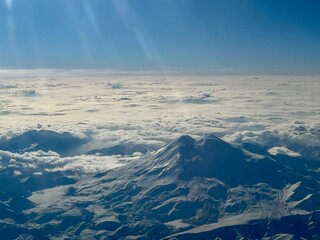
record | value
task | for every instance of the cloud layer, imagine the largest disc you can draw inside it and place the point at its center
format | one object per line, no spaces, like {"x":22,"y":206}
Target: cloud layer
{"x":117,"y":108}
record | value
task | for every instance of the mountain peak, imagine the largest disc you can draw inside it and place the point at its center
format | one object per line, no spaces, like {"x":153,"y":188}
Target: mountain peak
{"x":207,"y":157}
{"x":212,"y":157}
{"x":45,"y":140}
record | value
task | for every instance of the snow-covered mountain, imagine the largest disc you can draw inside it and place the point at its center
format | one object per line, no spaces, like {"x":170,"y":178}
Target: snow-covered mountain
{"x":63,"y":143}
{"x":189,"y":189}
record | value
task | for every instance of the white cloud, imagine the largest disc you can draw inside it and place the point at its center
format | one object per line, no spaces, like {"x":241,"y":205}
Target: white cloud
{"x":51,"y":161}
{"x":283,"y":150}
{"x":17,"y":173}
{"x":89,"y":163}
{"x":273,"y":110}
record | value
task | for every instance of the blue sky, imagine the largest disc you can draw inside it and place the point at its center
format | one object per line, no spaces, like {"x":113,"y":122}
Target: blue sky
{"x":225,"y":36}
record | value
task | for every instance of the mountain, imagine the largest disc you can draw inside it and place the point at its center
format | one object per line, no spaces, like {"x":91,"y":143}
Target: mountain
{"x":189,"y":189}
{"x":63,"y":143}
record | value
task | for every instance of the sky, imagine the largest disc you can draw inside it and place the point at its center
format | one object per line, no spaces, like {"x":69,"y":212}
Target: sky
{"x":213,"y":36}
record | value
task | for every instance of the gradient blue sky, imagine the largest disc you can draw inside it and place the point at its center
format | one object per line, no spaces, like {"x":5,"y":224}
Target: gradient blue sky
{"x":218,"y":36}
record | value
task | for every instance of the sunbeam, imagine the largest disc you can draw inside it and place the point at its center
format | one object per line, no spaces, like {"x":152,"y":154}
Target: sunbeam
{"x":132,"y":21}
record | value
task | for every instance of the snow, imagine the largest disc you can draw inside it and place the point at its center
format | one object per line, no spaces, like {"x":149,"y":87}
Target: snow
{"x":47,"y":197}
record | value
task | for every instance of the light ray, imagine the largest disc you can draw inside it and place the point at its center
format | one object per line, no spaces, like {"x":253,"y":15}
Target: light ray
{"x":132,"y":21}
{"x":91,"y":15}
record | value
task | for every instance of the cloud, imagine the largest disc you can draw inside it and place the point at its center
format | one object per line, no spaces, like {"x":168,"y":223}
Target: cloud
{"x":283,"y":150}
{"x":39,"y":161}
{"x":89,"y":163}
{"x":17,"y":173}
{"x":274,"y":111}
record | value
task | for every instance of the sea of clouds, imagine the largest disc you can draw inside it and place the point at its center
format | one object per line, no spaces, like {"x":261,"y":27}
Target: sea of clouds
{"x":110,"y":108}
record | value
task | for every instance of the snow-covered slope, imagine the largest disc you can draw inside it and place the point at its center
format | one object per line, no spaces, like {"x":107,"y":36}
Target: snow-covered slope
{"x":189,"y":189}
